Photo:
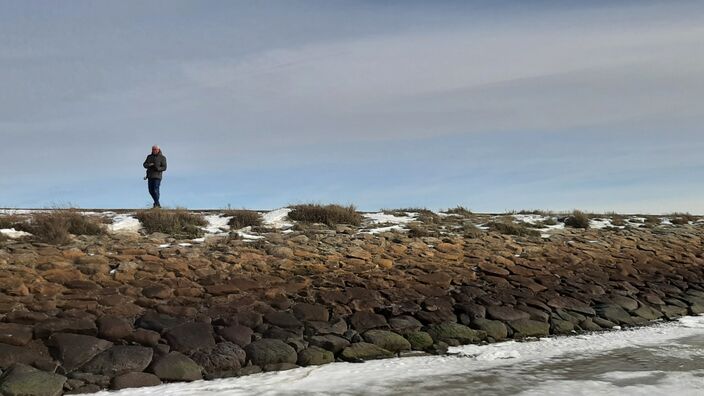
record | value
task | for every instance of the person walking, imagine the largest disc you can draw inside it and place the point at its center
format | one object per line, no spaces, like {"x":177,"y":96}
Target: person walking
{"x":155,"y":164}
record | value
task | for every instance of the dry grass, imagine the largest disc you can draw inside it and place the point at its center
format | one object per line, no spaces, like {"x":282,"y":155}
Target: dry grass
{"x":508,"y":227}
{"x":175,"y":222}
{"x":681,"y":218}
{"x":417,"y":231}
{"x":469,"y":230}
{"x":330,"y":215}
{"x":56,"y":226}
{"x":12,"y":221}
{"x":459,"y":210}
{"x":244,"y":218}
{"x":577,"y":219}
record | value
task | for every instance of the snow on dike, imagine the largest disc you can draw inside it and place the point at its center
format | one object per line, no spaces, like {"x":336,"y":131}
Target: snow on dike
{"x":411,"y":375}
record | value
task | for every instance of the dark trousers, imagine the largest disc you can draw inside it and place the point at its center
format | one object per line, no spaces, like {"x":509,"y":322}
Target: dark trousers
{"x":154,"y":190}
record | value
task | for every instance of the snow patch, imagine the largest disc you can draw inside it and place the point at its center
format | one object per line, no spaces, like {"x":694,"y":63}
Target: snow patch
{"x":277,"y":218}
{"x":12,"y":233}
{"x":124,"y":223}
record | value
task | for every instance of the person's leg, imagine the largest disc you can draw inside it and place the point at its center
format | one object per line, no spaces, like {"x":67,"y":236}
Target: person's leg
{"x":153,"y":191}
{"x":157,"y":184}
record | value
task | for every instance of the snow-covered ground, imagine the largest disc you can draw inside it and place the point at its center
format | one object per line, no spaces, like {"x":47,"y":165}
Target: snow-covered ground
{"x":599,"y":363}
{"x":390,"y":222}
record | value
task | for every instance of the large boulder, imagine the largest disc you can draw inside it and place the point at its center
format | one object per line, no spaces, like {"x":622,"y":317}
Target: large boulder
{"x":405,"y":324}
{"x":493,"y":328}
{"x":505,"y":314}
{"x":15,"y":334}
{"x":240,"y":335}
{"x":387,"y":340}
{"x":270,"y":351}
{"x":113,"y":328}
{"x":134,"y":380}
{"x":159,"y":322}
{"x":614,"y":313}
{"x":176,"y":366}
{"x":23,"y":380}
{"x":12,"y":354}
{"x":190,"y":337}
{"x":363,"y":321}
{"x":224,"y":357}
{"x":529,"y":328}
{"x":330,"y":342}
{"x":361,"y":351}
{"x":313,"y":356}
{"x":74,"y":350}
{"x":453,"y":331}
{"x":120,"y":359}
{"x":419,"y":340}
{"x":311,"y":312}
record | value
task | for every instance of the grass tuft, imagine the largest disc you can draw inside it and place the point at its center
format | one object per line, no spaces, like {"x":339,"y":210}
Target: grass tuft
{"x":577,"y":219}
{"x":459,"y":210}
{"x":508,"y":227}
{"x":244,"y":218}
{"x":175,"y":222}
{"x":330,"y":215}
{"x":56,"y":226}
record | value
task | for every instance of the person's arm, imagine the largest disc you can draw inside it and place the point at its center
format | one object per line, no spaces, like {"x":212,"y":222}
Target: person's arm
{"x":147,"y":164}
{"x":161,"y":166}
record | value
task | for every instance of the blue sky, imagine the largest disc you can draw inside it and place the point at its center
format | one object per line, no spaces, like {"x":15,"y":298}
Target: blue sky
{"x":494,"y":105}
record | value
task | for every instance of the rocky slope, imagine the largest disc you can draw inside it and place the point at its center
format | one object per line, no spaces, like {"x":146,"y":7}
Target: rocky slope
{"x":125,"y":310}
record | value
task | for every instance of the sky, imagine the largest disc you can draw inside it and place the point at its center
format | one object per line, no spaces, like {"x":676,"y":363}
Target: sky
{"x":492,"y":105}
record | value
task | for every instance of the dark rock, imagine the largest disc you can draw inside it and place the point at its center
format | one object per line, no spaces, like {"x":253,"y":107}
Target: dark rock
{"x":572,"y":304}
{"x":176,"y":366}
{"x":250,"y":319}
{"x":648,"y":313}
{"x":134,"y":380}
{"x":535,"y":313}
{"x":23,"y":380}
{"x":120,"y":359}
{"x":589,"y":325}
{"x":529,"y":328}
{"x":270,"y":351}
{"x":387,"y":340}
{"x":558,"y":326}
{"x":614,"y":313}
{"x":405,"y":324}
{"x":505,"y":314}
{"x":26,"y":317}
{"x":330,"y":342}
{"x":419,"y":340}
{"x":282,"y":319}
{"x":363,"y":321}
{"x":362,"y":351}
{"x":240,"y":335}
{"x":74,"y":350}
{"x":673,"y":312}
{"x":65,"y":325}
{"x":474,"y":311}
{"x":338,"y":327}
{"x":311,"y":312}
{"x":313,"y":356}
{"x":493,"y":328}
{"x":113,"y":328}
{"x":603,"y":323}
{"x":225,"y":356}
{"x":158,"y":322}
{"x":454,"y":331}
{"x":103,"y":381}
{"x":15,"y":334}
{"x":145,"y":337}
{"x":190,"y":337}
{"x":437,"y":316}
{"x":626,"y":303}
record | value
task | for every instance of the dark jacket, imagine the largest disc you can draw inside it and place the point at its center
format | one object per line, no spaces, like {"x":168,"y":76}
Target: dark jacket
{"x":155,"y":164}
